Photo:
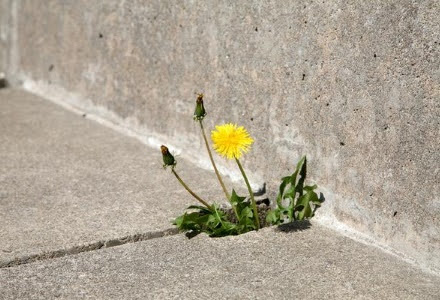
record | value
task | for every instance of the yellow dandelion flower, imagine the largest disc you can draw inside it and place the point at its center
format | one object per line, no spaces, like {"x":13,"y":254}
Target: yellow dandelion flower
{"x":230,"y":140}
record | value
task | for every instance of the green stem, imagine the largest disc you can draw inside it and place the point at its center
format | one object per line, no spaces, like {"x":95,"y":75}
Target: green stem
{"x":228,"y":197}
{"x":254,"y":204}
{"x":190,"y":191}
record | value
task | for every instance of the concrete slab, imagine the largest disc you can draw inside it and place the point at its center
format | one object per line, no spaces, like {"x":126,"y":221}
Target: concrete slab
{"x":70,"y":184}
{"x":301,"y":263}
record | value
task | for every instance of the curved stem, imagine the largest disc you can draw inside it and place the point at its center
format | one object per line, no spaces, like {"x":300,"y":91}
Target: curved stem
{"x":228,"y":197}
{"x":254,"y":204}
{"x":190,"y":191}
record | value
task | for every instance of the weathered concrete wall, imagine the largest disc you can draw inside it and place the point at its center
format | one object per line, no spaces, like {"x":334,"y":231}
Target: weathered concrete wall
{"x":354,"y":85}
{"x":5,"y":31}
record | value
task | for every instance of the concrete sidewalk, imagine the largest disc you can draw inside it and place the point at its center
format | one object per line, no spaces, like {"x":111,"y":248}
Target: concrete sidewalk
{"x":70,"y":185}
{"x":310,"y":263}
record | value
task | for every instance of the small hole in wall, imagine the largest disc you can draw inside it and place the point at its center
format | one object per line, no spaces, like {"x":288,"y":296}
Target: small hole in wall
{"x":101,"y":35}
{"x":84,"y":115}
{"x":252,"y":119}
{"x":342,"y":143}
{"x":304,"y":76}
{"x":375,"y":55}
{"x":3,"y":82}
{"x":256,"y":29}
{"x":395,"y":213}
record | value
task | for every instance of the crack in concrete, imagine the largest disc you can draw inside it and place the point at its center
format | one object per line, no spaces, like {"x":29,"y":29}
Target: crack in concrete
{"x":89,"y":247}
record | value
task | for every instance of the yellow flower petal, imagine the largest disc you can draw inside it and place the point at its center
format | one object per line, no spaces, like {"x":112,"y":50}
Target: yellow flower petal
{"x":230,"y":140}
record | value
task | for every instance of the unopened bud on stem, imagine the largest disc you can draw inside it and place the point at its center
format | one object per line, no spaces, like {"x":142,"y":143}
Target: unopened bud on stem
{"x":168,"y":158}
{"x":199,"y":112}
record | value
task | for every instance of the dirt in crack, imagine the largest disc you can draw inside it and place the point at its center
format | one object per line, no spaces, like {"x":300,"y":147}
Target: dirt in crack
{"x":90,"y":247}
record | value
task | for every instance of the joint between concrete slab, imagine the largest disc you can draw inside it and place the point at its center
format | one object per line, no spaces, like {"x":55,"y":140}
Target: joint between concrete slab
{"x":90,"y":247}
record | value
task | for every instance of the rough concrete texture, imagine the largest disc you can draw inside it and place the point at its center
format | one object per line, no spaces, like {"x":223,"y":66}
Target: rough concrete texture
{"x":354,"y":85}
{"x":68,"y":184}
{"x":5,"y":31}
{"x":314,"y":263}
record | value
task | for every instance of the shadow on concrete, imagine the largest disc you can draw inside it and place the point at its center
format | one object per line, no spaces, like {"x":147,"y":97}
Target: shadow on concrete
{"x":3,"y":82}
{"x":321,"y":199}
{"x":192,"y":234}
{"x":294,"y":226}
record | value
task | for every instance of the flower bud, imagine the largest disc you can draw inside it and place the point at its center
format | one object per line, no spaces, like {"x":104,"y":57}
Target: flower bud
{"x":168,"y":158}
{"x":199,"y":112}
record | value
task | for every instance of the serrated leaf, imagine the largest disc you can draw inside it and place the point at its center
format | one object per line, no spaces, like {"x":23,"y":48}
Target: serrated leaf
{"x":235,"y":199}
{"x":238,"y":202}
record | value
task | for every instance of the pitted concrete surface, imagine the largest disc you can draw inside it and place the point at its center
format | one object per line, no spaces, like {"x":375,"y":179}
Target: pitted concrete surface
{"x":352,"y":84}
{"x":5,"y":34}
{"x":67,"y":182}
{"x":311,"y":263}
{"x":70,"y":183}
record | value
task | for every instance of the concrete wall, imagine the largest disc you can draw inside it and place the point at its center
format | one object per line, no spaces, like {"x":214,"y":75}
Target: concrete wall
{"x":354,"y":85}
{"x":5,"y":31}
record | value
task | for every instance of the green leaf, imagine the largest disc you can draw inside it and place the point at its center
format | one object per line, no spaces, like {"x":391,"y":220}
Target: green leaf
{"x":273,"y":217}
{"x":303,"y":205}
{"x":238,"y":202}
{"x":188,"y":222}
{"x":201,"y":208}
{"x":290,"y":194}
{"x":301,"y":198}
{"x":298,"y":169}
{"x":280,"y":200}
{"x":245,"y":213}
{"x":284,"y":182}
{"x":214,"y":222}
{"x":310,"y":187}
{"x":178,"y":221}
{"x":301,"y":167}
{"x":246,"y":220}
